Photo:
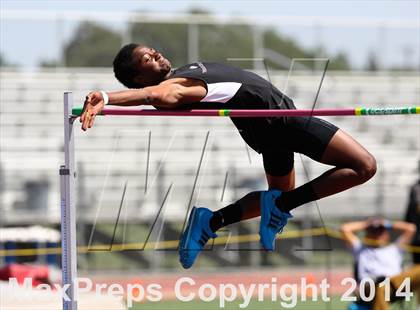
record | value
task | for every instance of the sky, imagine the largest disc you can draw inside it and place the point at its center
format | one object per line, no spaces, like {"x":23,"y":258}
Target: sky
{"x":27,"y":42}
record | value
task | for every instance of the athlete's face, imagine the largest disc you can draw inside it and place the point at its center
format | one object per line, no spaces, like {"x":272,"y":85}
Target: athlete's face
{"x":151,"y":64}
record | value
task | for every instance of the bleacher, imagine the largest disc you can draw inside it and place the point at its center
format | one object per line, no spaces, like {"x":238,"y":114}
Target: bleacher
{"x":165,"y":153}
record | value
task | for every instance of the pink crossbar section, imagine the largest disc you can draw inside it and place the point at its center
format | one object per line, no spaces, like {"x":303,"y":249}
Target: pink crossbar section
{"x":231,"y":113}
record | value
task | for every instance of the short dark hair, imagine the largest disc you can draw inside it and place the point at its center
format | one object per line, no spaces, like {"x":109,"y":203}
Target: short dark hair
{"x":125,"y":69}
{"x":375,"y":224}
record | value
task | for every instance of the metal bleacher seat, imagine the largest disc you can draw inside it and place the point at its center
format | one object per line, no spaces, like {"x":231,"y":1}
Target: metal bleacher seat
{"x":116,"y":149}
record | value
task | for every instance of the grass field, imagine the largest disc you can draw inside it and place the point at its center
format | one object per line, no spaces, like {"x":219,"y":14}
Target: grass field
{"x":335,"y":304}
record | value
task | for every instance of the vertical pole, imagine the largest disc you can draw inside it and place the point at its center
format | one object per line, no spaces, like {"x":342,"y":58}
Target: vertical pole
{"x":193,"y":43}
{"x":382,"y":46}
{"x":258,"y":42}
{"x":68,"y":209}
{"x":62,"y":62}
{"x":127,"y":33}
{"x":380,"y":192}
{"x":307,"y":241}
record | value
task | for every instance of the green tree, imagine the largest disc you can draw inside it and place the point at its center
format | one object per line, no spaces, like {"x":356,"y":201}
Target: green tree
{"x":49,"y":63}
{"x":372,"y":63}
{"x":339,"y":62}
{"x":92,"y":45}
{"x":291,"y":49}
{"x":220,"y":42}
{"x":169,"y":39}
{"x":284,"y":46}
{"x":216,"y":43}
{"x":95,"y":45}
{"x":4,"y":62}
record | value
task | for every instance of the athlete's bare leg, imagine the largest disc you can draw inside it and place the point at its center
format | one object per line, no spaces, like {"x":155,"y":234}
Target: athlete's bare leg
{"x":284,"y":183}
{"x":354,"y":165}
{"x":250,"y":204}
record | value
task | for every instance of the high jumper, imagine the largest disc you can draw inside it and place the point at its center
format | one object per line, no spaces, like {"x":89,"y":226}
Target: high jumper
{"x":204,"y":85}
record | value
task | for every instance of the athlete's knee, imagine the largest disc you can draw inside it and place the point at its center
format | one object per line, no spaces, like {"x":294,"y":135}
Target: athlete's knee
{"x":367,"y":168}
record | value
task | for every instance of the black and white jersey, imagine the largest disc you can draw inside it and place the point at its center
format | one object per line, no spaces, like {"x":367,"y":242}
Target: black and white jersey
{"x":233,"y":88}
{"x":277,"y":138}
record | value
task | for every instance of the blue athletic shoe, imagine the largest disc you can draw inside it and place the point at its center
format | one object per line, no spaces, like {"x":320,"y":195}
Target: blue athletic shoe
{"x":195,"y":236}
{"x":272,"y":219}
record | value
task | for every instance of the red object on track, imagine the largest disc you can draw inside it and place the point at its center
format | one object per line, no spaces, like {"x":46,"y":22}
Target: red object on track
{"x":38,"y":273}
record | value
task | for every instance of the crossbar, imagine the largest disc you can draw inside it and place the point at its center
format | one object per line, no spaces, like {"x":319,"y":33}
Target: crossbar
{"x":68,"y":174}
{"x":77,"y":111}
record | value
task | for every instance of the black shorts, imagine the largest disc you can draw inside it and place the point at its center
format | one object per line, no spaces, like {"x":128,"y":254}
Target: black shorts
{"x":279,"y":138}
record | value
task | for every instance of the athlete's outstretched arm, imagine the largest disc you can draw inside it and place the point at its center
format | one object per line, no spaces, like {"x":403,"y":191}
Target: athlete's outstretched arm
{"x":168,"y":94}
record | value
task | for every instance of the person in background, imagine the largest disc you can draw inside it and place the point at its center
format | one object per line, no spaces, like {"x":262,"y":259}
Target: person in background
{"x":378,"y":258}
{"x":412,"y":215}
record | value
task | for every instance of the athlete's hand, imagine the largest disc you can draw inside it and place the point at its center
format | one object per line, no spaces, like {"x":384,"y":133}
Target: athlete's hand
{"x":93,"y":105}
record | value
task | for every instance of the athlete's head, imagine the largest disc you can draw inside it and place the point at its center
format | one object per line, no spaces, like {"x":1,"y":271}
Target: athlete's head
{"x":138,"y":66}
{"x":377,"y":230}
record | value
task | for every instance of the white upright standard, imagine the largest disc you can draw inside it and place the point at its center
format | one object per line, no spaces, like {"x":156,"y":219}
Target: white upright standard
{"x":68,"y":209}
